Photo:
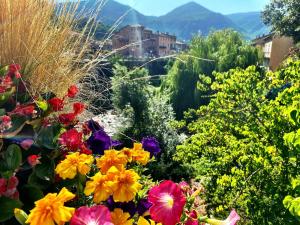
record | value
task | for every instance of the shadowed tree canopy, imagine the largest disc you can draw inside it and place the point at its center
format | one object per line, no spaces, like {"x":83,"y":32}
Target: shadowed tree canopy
{"x":284,"y":17}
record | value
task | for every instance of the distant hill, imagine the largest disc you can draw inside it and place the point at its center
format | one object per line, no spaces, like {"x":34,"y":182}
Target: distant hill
{"x":251,"y":22}
{"x":184,"y":21}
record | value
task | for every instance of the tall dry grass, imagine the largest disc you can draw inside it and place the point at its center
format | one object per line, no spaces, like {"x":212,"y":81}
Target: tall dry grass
{"x":36,"y":35}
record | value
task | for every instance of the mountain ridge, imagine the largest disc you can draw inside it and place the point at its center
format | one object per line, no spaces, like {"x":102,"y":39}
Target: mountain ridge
{"x":184,"y":21}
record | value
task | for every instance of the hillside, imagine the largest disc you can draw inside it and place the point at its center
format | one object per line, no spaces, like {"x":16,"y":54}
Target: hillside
{"x":184,"y":21}
{"x":251,"y":22}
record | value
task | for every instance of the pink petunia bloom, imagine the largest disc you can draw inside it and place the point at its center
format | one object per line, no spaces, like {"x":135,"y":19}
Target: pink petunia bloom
{"x":167,"y":202}
{"x":193,"y":218}
{"x":96,"y":215}
{"x":232,"y":219}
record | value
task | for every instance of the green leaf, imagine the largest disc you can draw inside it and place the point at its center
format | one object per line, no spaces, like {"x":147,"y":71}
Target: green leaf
{"x":13,"y":157}
{"x":3,"y":71}
{"x":33,"y":193}
{"x":47,"y":136}
{"x":7,"y":207}
{"x":294,"y":115}
{"x":45,"y":170}
{"x":34,"y":180}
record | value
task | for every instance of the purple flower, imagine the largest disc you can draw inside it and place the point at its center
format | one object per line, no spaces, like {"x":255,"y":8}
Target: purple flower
{"x":94,"y":126}
{"x":143,"y":206}
{"x":151,"y":145}
{"x":99,"y":141}
{"x":125,"y":206}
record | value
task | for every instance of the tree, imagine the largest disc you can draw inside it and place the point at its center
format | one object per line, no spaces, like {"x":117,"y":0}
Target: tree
{"x":244,"y":145}
{"x":188,"y":81}
{"x":284,"y":17}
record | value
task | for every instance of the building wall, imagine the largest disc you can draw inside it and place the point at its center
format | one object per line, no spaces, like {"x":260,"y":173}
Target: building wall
{"x":280,"y":49}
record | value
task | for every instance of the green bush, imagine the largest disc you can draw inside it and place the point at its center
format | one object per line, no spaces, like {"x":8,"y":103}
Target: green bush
{"x":149,"y":114}
{"x":189,"y":79}
{"x":238,"y":143}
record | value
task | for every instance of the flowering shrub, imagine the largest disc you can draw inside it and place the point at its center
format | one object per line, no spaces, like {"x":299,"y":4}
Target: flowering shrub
{"x":60,"y":171}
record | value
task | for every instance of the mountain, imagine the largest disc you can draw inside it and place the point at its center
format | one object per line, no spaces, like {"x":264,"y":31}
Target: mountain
{"x":250,"y":22}
{"x":192,"y":18}
{"x":184,"y":21}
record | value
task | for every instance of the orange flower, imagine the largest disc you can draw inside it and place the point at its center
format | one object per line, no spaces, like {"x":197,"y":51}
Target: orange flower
{"x":118,"y":217}
{"x":51,"y":209}
{"x":139,"y":154}
{"x":126,"y":184}
{"x":111,"y":158}
{"x":101,"y":185}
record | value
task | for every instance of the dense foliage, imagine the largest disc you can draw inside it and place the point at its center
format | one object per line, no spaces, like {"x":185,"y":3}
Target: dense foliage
{"x":189,"y":79}
{"x":284,"y":17}
{"x":245,"y":143}
{"x":62,"y":171}
{"x":149,"y":114}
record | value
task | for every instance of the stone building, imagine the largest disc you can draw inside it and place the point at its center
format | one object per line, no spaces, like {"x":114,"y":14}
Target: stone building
{"x":275,"y":49}
{"x":139,"y":42}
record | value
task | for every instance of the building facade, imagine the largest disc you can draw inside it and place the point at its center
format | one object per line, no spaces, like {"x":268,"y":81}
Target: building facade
{"x":275,"y":49}
{"x":138,"y":42}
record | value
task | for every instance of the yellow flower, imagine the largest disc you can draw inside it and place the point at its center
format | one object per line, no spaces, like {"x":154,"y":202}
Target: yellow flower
{"x":126,"y":184}
{"x":139,"y":154}
{"x":73,"y":164}
{"x":143,"y":221}
{"x":101,"y":186}
{"x":111,"y":158}
{"x":128,"y":152}
{"x":51,"y":209}
{"x":118,"y":217}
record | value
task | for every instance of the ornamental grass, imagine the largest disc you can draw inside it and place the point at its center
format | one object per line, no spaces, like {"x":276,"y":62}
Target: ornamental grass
{"x":41,"y":38}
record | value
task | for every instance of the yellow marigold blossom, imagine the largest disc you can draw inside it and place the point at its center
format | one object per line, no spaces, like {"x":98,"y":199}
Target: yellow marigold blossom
{"x":139,"y":154}
{"x":111,"y":158}
{"x":143,"y":221}
{"x":73,"y":164}
{"x":51,"y":209}
{"x":118,"y":217}
{"x":101,"y":185}
{"x":126,"y":184}
{"x":128,"y":152}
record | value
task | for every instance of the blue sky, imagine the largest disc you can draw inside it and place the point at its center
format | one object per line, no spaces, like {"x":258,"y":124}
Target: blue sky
{"x":160,"y":7}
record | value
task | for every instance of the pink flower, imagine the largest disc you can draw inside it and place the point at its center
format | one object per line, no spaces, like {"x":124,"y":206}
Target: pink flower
{"x":167,"y":202}
{"x":193,"y":218}
{"x":14,"y":69}
{"x":96,"y":215}
{"x":8,"y":188}
{"x":27,"y":143}
{"x":33,"y":160}
{"x":72,"y":91}
{"x":57,"y":104}
{"x":184,"y":186}
{"x":5,"y":123}
{"x":72,"y":139}
{"x":232,"y":219}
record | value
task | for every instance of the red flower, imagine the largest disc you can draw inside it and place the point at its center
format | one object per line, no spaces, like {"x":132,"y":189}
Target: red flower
{"x":72,"y":91}
{"x":72,"y":139}
{"x":67,"y":118}
{"x":14,"y":69}
{"x":23,"y":110}
{"x":2,"y":186}
{"x":167,"y":202}
{"x":85,"y":150}
{"x":57,"y":104}
{"x":33,"y":160}
{"x":78,"y":107}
